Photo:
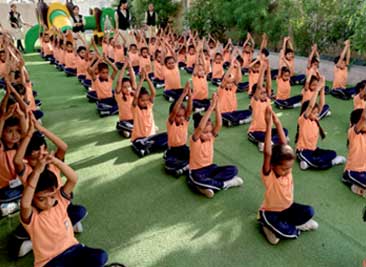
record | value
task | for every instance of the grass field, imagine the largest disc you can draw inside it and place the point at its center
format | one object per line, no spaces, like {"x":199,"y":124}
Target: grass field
{"x":146,"y":218}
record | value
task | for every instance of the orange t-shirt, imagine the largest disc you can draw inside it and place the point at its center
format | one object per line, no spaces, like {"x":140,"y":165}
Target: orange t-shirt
{"x":105,"y":48}
{"x":2,"y":69}
{"x":135,"y":59}
{"x":340,"y":78}
{"x":201,"y":153}
{"x":81,"y":66}
{"x":143,"y":122}
{"x":177,"y":134}
{"x":227,"y":56}
{"x":279,"y":193}
{"x":119,"y":54}
{"x":152,"y":49}
{"x":200,"y":88}
{"x":283,"y":89}
{"x":227,"y":99}
{"x":181,"y":58}
{"x":47,"y":49}
{"x":217,"y":71}
{"x":356,"y":159}
{"x":253,"y":79}
{"x":172,"y":78}
{"x":7,"y":170}
{"x":207,"y":66}
{"x":358,"y":102}
{"x":110,"y":51}
{"x":191,"y":60}
{"x":70,"y":60}
{"x":158,"y":70}
{"x":103,"y":88}
{"x":62,"y":56}
{"x":258,"y":123}
{"x":292,"y":67}
{"x":124,"y":106}
{"x":145,"y":63}
{"x":308,"y":134}
{"x":51,"y":231}
{"x":247,"y":59}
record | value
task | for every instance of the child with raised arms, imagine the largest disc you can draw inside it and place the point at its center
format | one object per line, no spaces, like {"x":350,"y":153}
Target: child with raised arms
{"x":354,"y":174}
{"x":124,"y":96}
{"x":177,"y":156}
{"x":340,"y":89}
{"x":44,"y":215}
{"x":308,"y":131}
{"x":205,"y":176}
{"x":227,"y":99}
{"x":279,"y":215}
{"x":144,"y":138}
{"x":259,"y":103}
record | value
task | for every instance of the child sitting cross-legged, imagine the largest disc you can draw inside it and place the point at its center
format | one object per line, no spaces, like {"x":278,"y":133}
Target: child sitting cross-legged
{"x":43,"y":214}
{"x":279,"y":215}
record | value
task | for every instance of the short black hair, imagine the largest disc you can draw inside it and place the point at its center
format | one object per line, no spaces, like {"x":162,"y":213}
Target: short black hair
{"x":360,"y":86}
{"x":102,"y":66}
{"x":81,"y":48}
{"x":68,"y":43}
{"x":11,"y":122}
{"x":144,"y":48}
{"x":47,"y":181}
{"x":356,"y":116}
{"x":285,"y":69}
{"x":133,"y":45}
{"x":288,"y":50}
{"x":265,"y":52}
{"x":35,"y":143}
{"x":19,"y":88}
{"x":167,"y":59}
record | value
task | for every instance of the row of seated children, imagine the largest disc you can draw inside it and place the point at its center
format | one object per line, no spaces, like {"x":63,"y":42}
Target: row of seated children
{"x":32,"y":175}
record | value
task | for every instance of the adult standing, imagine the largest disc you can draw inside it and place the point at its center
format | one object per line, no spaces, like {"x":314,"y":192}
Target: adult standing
{"x":78,"y":20}
{"x":122,"y":19}
{"x":16,"y":22}
{"x":150,"y":21}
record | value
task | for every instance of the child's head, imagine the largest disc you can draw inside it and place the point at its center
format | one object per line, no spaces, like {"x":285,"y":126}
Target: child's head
{"x":285,"y":74}
{"x":206,"y":134}
{"x":45,"y":192}
{"x":169,"y":62}
{"x":133,"y":49}
{"x":315,"y":62}
{"x":126,"y":86}
{"x":17,"y":77}
{"x":265,"y":52}
{"x":153,"y":40}
{"x":256,"y":66}
{"x":37,"y":147}
{"x":356,"y":116}
{"x":200,"y":70}
{"x":69,"y":47}
{"x":218,"y":58}
{"x":342,"y":65}
{"x":361,"y":89}
{"x":81,"y":51}
{"x":180,"y":117}
{"x":211,"y":44}
{"x":191,"y":50}
{"x":240,"y":60}
{"x":282,"y":160}
{"x":46,"y":37}
{"x":158,"y":56}
{"x":2,"y":55}
{"x":144,"y":51}
{"x":11,"y":132}
{"x":206,"y":54}
{"x":21,"y":90}
{"x":289,"y":54}
{"x":103,"y":71}
{"x":143,"y":99}
{"x":76,"y":10}
{"x":248,"y":48}
{"x":259,"y":93}
{"x":314,"y":83}
{"x":314,"y":114}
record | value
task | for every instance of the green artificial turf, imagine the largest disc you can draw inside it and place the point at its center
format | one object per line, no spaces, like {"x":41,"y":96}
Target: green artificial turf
{"x":144,"y":217}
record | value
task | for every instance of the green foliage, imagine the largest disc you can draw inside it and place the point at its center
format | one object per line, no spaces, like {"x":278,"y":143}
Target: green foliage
{"x":325,"y":22}
{"x":165,"y":9}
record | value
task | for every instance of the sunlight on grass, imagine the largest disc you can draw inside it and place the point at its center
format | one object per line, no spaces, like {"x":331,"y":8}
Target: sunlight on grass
{"x":35,"y":63}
